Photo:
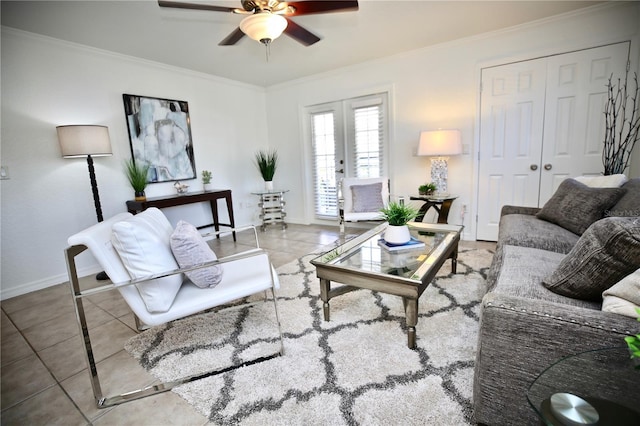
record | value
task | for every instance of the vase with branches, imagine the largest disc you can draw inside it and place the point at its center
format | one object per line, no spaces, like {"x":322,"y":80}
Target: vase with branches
{"x":622,"y":124}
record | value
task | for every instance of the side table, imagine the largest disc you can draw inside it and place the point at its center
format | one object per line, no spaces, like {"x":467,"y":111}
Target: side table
{"x":441,"y":204}
{"x":603,"y":378}
{"x":272,"y":207}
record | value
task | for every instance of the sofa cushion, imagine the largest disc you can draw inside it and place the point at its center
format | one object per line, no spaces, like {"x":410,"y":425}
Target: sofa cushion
{"x":142,"y":242}
{"x":190,"y":249}
{"x":367,"y":198}
{"x":529,"y":231}
{"x":575,"y":206}
{"x":608,"y":251}
{"x":522,"y":272}
{"x":624,"y":297}
{"x":629,"y":204}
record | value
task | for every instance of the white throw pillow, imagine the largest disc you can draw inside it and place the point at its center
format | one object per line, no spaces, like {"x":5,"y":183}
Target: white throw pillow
{"x":610,"y":181}
{"x":624,"y":297}
{"x":142,"y":242}
{"x":190,"y":249}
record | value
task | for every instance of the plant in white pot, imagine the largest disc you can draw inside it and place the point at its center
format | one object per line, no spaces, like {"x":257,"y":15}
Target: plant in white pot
{"x":206,"y":180}
{"x":267,"y":162}
{"x":397,"y":215}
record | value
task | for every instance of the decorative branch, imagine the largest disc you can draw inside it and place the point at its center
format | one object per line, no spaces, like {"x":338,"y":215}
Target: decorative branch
{"x":621,"y":131}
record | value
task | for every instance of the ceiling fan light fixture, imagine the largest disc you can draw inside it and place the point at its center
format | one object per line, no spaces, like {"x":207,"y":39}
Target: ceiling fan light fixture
{"x":263,"y":26}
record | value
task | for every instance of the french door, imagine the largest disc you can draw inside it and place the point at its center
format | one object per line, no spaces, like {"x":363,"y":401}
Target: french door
{"x":349,"y":138}
{"x":541,"y":121}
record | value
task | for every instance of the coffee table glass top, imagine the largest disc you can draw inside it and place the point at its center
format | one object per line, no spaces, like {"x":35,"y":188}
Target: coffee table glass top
{"x":363,"y":253}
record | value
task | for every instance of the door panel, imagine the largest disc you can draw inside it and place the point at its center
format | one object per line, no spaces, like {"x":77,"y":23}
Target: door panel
{"x":512,"y":107}
{"x":574,"y":123}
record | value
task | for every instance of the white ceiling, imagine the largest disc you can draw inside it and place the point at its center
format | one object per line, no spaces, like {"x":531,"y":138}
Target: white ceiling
{"x":189,"y":39}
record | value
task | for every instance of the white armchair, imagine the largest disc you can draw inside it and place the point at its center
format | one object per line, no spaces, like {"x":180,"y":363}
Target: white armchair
{"x":158,"y":292}
{"x":360,"y":199}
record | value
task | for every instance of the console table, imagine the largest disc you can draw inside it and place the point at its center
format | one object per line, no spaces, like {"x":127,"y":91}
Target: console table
{"x":441,"y":204}
{"x":189,"y":198}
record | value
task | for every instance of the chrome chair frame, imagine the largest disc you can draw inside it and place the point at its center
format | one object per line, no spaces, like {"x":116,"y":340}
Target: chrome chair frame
{"x":78,"y":294}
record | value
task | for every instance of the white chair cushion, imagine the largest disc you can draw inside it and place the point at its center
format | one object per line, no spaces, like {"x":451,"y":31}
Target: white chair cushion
{"x":242,"y":277}
{"x":97,"y":239}
{"x":143,"y":244}
{"x":190,"y":249}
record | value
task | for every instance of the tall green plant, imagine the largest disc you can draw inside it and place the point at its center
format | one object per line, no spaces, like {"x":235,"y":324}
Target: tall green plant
{"x":633,"y":342}
{"x":267,"y":162}
{"x":398,"y":214}
{"x":137,"y":174}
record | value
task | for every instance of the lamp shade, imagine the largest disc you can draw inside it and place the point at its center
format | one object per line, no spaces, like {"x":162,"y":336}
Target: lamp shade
{"x":438,"y":143}
{"x":263,"y":26}
{"x":80,"y":141}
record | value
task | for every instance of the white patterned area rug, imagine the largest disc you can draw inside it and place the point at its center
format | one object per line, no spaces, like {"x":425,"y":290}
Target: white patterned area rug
{"x":354,"y":370}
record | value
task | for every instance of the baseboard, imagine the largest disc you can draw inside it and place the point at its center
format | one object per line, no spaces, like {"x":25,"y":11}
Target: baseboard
{"x":45,"y":283}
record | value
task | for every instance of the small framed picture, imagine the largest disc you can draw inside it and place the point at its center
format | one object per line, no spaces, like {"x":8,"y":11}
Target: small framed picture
{"x":160,"y":136}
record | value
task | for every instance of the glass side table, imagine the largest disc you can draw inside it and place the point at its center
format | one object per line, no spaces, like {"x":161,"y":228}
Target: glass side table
{"x":272,"y":207}
{"x":601,"y":381}
{"x":441,"y":204}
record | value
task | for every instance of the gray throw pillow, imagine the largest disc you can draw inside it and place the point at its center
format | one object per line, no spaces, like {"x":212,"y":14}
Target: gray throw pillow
{"x":367,"y":198}
{"x":629,"y":204}
{"x":575,"y":206}
{"x":190,"y":249}
{"x":608,"y":251}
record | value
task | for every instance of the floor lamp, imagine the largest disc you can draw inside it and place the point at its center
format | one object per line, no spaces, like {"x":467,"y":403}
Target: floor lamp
{"x":439,"y":145}
{"x":77,"y":141}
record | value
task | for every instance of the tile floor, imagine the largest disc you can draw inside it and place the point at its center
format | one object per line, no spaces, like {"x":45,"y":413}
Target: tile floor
{"x":44,"y":379}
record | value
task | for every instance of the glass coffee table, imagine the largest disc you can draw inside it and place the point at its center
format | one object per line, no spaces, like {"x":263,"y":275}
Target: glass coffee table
{"x":599,"y":387}
{"x":362,"y":263}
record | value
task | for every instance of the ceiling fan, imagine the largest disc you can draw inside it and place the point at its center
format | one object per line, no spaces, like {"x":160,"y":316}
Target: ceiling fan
{"x":268,"y":19}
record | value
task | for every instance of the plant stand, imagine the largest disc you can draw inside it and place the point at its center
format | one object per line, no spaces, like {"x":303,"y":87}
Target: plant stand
{"x":272,"y":207}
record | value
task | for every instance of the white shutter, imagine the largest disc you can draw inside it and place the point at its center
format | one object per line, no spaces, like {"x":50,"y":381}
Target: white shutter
{"x":367,"y":136}
{"x":323,"y":134}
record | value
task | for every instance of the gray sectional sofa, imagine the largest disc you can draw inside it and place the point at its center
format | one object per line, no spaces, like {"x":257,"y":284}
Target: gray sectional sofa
{"x":525,"y":326}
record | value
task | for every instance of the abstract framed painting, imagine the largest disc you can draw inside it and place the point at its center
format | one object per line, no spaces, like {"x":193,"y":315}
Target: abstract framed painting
{"x":160,"y":136}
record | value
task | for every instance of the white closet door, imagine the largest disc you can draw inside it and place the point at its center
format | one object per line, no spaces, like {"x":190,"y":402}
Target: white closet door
{"x":574,"y":113}
{"x":512,"y":117}
{"x":541,"y":121}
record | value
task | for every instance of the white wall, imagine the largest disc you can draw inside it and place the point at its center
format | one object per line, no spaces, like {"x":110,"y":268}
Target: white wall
{"x":435,"y":88}
{"x":47,"y":82}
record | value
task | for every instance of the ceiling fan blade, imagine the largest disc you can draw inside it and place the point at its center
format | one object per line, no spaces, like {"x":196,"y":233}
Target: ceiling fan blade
{"x":300,"y":34}
{"x":232,"y":38}
{"x":194,"y":6}
{"x":321,"y":6}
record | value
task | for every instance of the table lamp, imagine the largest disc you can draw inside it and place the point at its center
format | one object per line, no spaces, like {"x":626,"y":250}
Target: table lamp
{"x":439,"y":145}
{"x":86,"y":141}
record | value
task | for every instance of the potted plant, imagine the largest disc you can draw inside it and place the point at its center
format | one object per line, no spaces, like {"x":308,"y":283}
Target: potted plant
{"x":397,"y":215}
{"x":267,"y":162}
{"x":206,"y":180}
{"x":633,"y":342}
{"x":137,"y":175}
{"x":427,"y":188}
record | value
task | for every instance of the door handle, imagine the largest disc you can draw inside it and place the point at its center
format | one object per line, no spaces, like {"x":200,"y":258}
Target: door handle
{"x":547,"y":166}
{"x":533,"y":167}
{"x":340,"y":171}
